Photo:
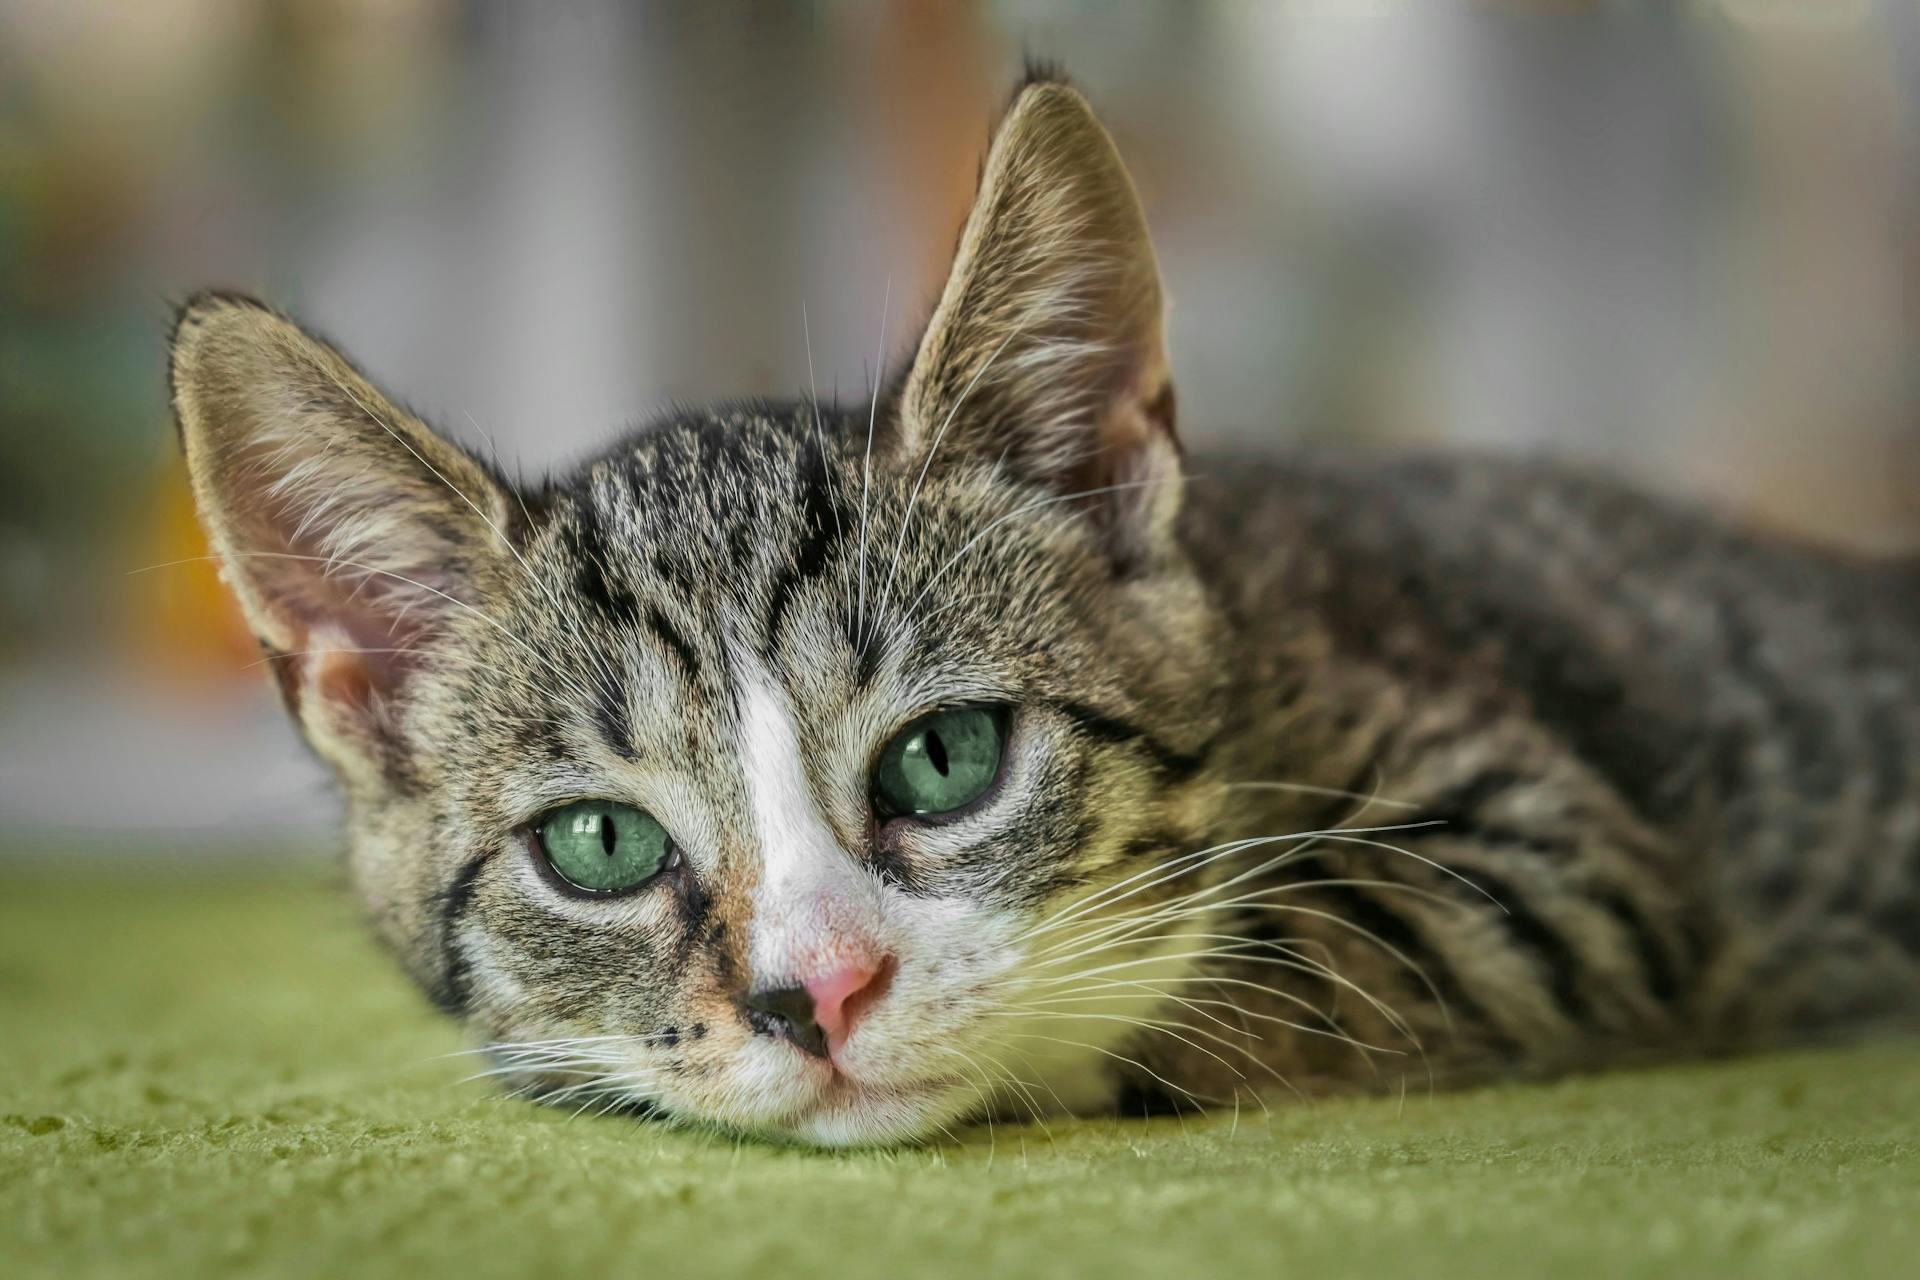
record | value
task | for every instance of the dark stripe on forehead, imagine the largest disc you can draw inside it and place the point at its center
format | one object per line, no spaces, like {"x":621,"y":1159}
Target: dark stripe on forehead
{"x":1102,"y":727}
{"x":451,"y":993}
{"x":675,"y":643}
{"x":606,"y":596}
{"x":868,"y":650}
{"x":616,"y":727}
{"x":585,"y":539}
{"x":821,"y":527}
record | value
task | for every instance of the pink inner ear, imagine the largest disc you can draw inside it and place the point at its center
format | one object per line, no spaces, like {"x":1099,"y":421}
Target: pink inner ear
{"x":1125,"y":429}
{"x":347,"y":668}
{"x":356,"y":627}
{"x":353,"y":647}
{"x":345,"y":678}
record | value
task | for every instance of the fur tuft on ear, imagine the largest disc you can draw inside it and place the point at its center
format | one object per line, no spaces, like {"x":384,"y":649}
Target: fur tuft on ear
{"x":351,"y":533}
{"x":1046,"y":348}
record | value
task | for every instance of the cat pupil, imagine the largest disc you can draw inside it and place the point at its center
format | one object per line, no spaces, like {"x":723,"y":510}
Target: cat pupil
{"x":607,"y":834}
{"x":937,"y":752}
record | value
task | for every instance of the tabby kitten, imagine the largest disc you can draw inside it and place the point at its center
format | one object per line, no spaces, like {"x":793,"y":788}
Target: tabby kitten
{"x":844,"y":774}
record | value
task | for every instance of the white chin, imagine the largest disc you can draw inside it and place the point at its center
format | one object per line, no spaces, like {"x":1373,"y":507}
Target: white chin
{"x":797,"y":1098}
{"x":857,"y":1116}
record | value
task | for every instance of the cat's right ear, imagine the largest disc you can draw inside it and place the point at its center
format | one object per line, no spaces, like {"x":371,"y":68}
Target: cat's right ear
{"x":352,"y":534}
{"x":1046,"y":354}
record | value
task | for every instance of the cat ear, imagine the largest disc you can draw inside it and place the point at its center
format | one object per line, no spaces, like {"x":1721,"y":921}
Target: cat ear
{"x":1047,"y":348}
{"x":351,"y":533}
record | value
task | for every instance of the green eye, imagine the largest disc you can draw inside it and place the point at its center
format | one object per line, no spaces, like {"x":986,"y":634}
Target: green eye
{"x":602,"y":846}
{"x":940,"y":762}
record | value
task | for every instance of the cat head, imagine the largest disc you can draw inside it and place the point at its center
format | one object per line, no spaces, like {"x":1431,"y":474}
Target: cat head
{"x":755,"y":771}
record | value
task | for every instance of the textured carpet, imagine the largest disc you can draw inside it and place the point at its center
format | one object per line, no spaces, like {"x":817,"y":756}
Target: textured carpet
{"x":214,"y":1073}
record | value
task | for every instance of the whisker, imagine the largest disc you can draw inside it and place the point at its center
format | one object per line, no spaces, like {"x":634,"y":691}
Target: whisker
{"x":1278,"y":955}
{"x":913,"y":499}
{"x":1117,"y":1057}
{"x":866,"y":466}
{"x":1340,"y":838}
{"x":565,"y":679}
{"x":1186,"y":864}
{"x":598,"y":658}
{"x":1302,"y":788}
{"x":1146,"y":1024}
{"x":1021,"y":510}
{"x":1132,"y":926}
{"x":819,"y":431}
{"x":1254,"y":951}
{"x":512,"y":550}
{"x":1200,"y":1005}
{"x":1034,"y":1110}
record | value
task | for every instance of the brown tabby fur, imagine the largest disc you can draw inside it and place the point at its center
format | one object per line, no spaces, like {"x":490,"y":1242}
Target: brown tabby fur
{"x":1324,"y":772}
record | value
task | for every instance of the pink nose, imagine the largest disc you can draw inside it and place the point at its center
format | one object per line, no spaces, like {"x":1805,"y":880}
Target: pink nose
{"x":841,"y":995}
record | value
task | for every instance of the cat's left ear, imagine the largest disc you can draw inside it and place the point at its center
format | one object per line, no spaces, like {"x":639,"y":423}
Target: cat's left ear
{"x":353,"y":535}
{"x":1047,"y":347}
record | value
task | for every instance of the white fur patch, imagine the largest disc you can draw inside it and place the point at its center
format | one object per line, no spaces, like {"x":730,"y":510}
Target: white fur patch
{"x":813,"y":908}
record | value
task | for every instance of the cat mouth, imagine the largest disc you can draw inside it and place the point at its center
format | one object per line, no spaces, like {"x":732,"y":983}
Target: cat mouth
{"x":837,"y":1095}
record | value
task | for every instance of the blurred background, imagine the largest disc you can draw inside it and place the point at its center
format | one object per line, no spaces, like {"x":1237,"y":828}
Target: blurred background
{"x":1675,"y":239}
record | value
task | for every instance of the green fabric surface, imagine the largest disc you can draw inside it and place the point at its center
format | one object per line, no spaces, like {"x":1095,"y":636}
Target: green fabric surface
{"x":214,"y":1073}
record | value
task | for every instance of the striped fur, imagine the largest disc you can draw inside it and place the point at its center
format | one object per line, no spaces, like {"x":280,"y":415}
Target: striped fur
{"x":1324,"y":773}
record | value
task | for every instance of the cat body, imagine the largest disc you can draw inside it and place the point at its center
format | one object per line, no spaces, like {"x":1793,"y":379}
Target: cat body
{"x":1628,"y":723}
{"x":846,"y":772}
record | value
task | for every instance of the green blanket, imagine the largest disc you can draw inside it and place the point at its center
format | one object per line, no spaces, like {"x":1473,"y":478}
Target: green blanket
{"x":215,"y":1072}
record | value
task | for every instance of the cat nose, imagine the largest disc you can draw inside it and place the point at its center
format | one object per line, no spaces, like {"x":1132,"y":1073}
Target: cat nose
{"x":841,"y":995}
{"x":819,"y":1013}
